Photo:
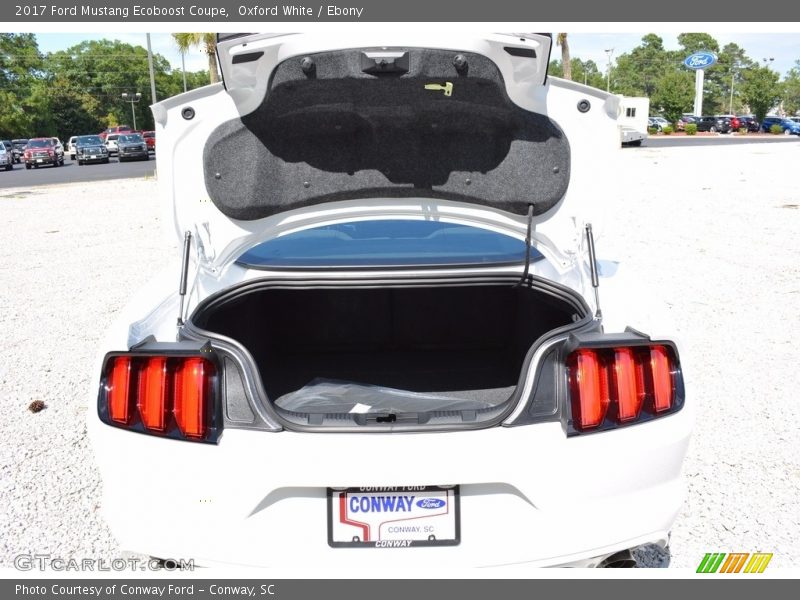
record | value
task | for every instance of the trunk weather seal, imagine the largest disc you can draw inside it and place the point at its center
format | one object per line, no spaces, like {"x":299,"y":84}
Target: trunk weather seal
{"x":271,"y":417}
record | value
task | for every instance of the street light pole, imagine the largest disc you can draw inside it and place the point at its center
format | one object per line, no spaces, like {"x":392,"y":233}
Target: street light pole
{"x":133,"y":99}
{"x":733,"y":74}
{"x":609,"y":52}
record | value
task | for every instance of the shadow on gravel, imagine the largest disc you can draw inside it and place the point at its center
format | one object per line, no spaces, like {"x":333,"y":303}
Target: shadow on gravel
{"x":652,"y":556}
{"x":18,"y":194}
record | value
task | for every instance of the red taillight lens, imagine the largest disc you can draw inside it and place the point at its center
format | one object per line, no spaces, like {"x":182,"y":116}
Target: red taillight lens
{"x":626,"y":392}
{"x":588,"y":382}
{"x":192,"y":396}
{"x":169,"y":395}
{"x":152,"y":393}
{"x":118,"y":390}
{"x":663,"y":383}
{"x":620,"y":381}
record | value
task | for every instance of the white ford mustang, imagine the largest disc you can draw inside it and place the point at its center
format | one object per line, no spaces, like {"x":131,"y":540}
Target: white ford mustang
{"x":384,"y":335}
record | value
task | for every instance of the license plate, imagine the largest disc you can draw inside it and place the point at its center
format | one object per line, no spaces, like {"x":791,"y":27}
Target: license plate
{"x":93,"y":156}
{"x":394,"y":517}
{"x":38,"y":160}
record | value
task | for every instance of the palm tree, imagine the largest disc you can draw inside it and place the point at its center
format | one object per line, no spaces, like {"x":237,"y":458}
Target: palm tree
{"x":566,"y":65}
{"x":207,"y":42}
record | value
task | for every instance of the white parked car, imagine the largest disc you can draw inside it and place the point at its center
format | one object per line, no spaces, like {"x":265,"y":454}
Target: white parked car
{"x":71,"y":147}
{"x":112,"y":143}
{"x":6,"y":158}
{"x":659,"y":123}
{"x":383,"y":330}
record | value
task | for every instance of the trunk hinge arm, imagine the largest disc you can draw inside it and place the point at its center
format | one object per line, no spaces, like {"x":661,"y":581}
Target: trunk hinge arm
{"x":187,"y":245}
{"x":593,"y":269}
{"x":524,"y":277}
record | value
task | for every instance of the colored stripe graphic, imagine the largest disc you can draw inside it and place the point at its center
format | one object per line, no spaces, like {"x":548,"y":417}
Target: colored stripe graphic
{"x":758,"y":562}
{"x":713,"y":562}
{"x":734,"y":562}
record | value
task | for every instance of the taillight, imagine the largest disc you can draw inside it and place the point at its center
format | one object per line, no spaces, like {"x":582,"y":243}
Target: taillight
{"x":152,"y":398}
{"x":628,"y":385}
{"x":620,"y":385}
{"x":663,"y":383}
{"x":588,"y":382}
{"x":192,"y":392}
{"x":118,"y":391}
{"x":163,"y":395}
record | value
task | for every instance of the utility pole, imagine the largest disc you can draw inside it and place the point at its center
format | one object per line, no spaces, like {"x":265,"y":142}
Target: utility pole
{"x":152,"y":75}
{"x":609,"y":52}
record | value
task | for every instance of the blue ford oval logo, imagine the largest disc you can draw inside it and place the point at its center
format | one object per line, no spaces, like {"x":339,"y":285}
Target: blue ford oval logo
{"x":430,"y":503}
{"x":700,"y":60}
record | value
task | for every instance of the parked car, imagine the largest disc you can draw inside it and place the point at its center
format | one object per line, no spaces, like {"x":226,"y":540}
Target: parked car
{"x":116,"y":129}
{"x":112,"y":140}
{"x":19,"y":148}
{"x":378,"y":349}
{"x":43,"y":151}
{"x":789,"y":127}
{"x":680,"y":124}
{"x":59,"y":147}
{"x":71,"y":147}
{"x":132,"y":146}
{"x":150,"y":138}
{"x":658,"y":123}
{"x":6,"y":157}
{"x":89,"y":149}
{"x":713,"y":124}
{"x":749,"y":123}
{"x":733,"y":119}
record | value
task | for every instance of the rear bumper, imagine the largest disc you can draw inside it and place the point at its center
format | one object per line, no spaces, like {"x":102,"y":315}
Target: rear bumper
{"x":529,"y":495}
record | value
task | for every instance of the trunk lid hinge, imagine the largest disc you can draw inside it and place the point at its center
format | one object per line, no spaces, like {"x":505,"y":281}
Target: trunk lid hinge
{"x":593,"y":269}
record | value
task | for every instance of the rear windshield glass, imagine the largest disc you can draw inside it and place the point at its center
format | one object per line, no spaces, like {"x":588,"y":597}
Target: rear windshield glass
{"x":130,"y":138}
{"x":387,"y":243}
{"x":39,"y":144}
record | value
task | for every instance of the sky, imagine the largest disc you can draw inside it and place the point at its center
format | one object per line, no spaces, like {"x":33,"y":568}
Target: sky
{"x":784,"y":48}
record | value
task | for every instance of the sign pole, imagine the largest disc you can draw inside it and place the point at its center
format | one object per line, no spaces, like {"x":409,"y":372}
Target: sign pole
{"x":699,"y":74}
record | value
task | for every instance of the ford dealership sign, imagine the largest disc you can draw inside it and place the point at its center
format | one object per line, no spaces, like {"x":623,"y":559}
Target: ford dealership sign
{"x":700,"y":60}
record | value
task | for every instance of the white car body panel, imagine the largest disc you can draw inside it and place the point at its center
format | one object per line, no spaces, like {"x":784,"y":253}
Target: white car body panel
{"x":530,"y":495}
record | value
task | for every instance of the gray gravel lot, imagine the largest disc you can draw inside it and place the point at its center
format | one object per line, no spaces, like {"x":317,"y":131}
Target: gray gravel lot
{"x":719,"y":245}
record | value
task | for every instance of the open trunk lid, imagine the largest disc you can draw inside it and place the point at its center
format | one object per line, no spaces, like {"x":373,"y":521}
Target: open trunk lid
{"x":303,"y":121}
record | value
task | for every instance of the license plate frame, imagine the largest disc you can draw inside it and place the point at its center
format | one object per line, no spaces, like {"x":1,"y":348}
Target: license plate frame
{"x":449,"y":521}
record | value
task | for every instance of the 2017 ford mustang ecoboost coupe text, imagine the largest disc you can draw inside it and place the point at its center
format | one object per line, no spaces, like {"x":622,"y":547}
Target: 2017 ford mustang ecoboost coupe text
{"x":384,"y":333}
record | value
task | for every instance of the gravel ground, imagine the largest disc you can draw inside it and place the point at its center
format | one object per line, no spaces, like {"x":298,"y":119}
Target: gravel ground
{"x":719,"y":245}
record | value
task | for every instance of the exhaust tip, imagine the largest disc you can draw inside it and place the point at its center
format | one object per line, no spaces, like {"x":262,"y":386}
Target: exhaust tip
{"x":619,"y":560}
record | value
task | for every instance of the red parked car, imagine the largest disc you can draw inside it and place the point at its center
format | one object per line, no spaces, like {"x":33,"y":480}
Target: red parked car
{"x":117,"y":129}
{"x":150,"y":138}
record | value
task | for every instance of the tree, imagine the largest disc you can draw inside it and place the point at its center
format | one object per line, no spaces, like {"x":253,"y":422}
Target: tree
{"x":638,"y":71}
{"x":694,"y":42}
{"x":760,"y":90}
{"x":208,"y":43}
{"x":674,"y":95}
{"x":790,"y":91}
{"x":565,"y":60}
{"x":20,"y":70}
{"x":586,"y":72}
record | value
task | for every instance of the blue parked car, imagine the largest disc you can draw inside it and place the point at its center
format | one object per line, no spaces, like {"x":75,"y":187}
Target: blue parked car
{"x":789,"y":126}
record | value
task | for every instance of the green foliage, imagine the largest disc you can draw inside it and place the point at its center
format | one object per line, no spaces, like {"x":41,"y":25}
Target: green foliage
{"x":776,"y":129}
{"x":743,"y":130}
{"x":760,"y":90}
{"x":791,"y":90}
{"x":78,"y":90}
{"x":690,"y":129}
{"x":586,"y":72}
{"x":666,"y":130}
{"x":694,"y":42}
{"x":652,"y":130}
{"x":674,"y":94}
